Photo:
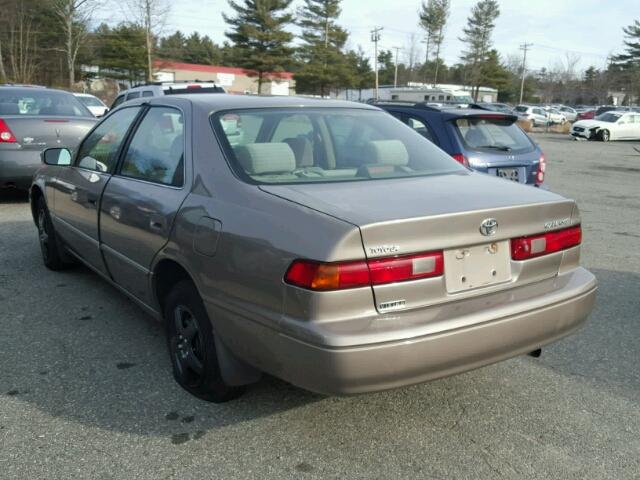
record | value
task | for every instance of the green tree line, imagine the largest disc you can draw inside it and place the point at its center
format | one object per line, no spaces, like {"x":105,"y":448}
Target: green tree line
{"x":46,"y":42}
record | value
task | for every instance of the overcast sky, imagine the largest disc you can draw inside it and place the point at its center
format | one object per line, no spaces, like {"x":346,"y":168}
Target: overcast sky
{"x":591,"y":29}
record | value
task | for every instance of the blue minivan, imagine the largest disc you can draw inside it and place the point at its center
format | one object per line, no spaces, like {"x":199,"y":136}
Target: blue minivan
{"x":484,"y":140}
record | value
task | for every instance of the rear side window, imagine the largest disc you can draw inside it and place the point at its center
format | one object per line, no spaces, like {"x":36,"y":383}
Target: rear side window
{"x":117,"y":101}
{"x":100,"y":149}
{"x":156,"y":152}
{"x":420,"y":127}
{"x":492,"y":134}
{"x":147,"y":93}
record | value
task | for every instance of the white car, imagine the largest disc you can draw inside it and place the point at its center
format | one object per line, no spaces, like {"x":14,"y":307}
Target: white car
{"x":570,"y":114}
{"x":614,"y":125}
{"x":93,"y":103}
{"x":158,"y":89}
{"x":555,"y":116}
{"x":536,"y":115}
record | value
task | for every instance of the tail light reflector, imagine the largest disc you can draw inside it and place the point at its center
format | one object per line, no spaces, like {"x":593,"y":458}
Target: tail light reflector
{"x":537,"y":245}
{"x":6,"y":135}
{"x":458,"y":157}
{"x":343,"y":275}
{"x":542,"y":167}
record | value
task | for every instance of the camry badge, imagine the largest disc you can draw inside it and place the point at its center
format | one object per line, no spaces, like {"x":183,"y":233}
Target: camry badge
{"x":557,"y":223}
{"x":488,"y":227}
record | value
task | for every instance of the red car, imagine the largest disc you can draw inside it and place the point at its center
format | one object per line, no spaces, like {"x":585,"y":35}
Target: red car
{"x":588,"y":115}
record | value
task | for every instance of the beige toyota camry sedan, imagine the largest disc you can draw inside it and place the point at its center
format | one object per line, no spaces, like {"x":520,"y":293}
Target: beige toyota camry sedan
{"x":325,"y":243}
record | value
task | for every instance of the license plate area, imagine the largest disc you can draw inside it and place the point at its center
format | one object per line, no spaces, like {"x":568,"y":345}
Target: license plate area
{"x":512,"y":174}
{"x":477,"y":266}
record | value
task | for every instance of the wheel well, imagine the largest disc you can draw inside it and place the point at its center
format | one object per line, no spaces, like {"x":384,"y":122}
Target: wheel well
{"x":166,"y":274}
{"x":36,"y":193}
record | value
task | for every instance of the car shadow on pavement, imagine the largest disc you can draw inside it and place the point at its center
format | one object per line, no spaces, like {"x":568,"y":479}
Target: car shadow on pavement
{"x":13,"y":196}
{"x":76,"y":349}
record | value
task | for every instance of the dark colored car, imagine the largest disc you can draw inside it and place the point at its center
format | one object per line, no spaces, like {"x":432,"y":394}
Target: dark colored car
{"x":496,"y":107}
{"x":486,"y":141}
{"x":32,"y":119}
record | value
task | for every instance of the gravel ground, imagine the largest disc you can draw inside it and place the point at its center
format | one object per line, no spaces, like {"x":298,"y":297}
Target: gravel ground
{"x":86,"y":390}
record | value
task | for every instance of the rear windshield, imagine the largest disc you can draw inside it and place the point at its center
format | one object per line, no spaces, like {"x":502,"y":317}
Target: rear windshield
{"x":41,"y":102}
{"x":492,"y":134}
{"x":193,"y":89}
{"x":91,"y":101}
{"x":279,"y":145}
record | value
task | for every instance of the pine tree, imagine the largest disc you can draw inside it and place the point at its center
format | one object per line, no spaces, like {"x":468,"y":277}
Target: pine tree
{"x":477,"y":37}
{"x":433,"y":18}
{"x":629,"y":61}
{"x":260,"y":41}
{"x":324,"y":65}
{"x":362,"y":74}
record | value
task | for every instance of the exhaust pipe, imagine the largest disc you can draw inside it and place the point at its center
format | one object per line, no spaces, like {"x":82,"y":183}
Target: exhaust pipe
{"x":535,"y":353}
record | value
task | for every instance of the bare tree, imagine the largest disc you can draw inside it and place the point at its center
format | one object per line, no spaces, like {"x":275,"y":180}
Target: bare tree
{"x":21,"y":42}
{"x":412,"y":55}
{"x":74,"y":16}
{"x":151,"y":15}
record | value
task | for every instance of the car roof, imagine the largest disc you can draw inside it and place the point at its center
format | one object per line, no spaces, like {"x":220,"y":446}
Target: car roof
{"x":223,"y":101}
{"x":446,"y":111}
{"x":84,"y":95}
{"x":28,"y":89}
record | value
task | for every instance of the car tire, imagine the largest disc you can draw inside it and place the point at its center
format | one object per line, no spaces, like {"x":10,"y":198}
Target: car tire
{"x":192,"y":347}
{"x":53,"y":254}
{"x":604,"y":135}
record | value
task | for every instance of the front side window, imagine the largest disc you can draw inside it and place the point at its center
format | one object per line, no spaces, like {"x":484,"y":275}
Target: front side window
{"x":609,"y":117}
{"x":99,"y":150}
{"x":132,"y":95}
{"x":282,"y":145}
{"x":156,"y":152}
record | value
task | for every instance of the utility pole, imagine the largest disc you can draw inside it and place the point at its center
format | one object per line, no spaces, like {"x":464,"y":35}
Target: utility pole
{"x":395,"y":77}
{"x":524,"y":47}
{"x":427,"y":41}
{"x":375,"y":38}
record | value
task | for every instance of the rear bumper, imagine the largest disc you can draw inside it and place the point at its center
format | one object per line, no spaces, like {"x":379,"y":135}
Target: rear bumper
{"x":17,"y":167}
{"x":473,"y":333}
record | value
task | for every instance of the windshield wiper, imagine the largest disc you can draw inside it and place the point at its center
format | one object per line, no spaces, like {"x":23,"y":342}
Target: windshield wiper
{"x":502,"y":148}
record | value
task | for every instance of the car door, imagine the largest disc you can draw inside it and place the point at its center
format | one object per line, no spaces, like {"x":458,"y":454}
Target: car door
{"x":625,"y":127}
{"x":78,"y":187}
{"x":142,"y":198}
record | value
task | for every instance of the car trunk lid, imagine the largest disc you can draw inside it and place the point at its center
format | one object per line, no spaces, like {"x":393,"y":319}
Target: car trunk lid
{"x":443,"y":213}
{"x":39,"y":132}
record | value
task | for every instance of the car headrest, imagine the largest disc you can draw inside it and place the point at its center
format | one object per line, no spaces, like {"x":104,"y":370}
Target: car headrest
{"x":262,"y":158}
{"x":386,"y":152}
{"x":302,"y":149}
{"x":9,"y":109}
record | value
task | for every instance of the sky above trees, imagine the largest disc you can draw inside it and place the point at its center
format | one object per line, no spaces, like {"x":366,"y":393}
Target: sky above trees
{"x":554,"y":26}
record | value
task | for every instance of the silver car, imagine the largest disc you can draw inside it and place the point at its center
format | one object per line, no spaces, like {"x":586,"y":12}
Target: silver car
{"x":32,"y":119}
{"x":325,"y":243}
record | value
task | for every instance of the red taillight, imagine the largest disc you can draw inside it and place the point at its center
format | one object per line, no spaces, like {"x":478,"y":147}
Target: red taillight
{"x":193,"y":87}
{"x":6,"y":135}
{"x":343,"y":275}
{"x":460,"y":158}
{"x":545,"y":243}
{"x":542,"y":167}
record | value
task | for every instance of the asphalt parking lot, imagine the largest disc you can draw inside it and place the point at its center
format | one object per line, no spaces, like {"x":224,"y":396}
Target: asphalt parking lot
{"x":86,"y":389}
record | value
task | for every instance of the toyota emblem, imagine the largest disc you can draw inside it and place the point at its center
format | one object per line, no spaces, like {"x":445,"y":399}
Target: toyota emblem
{"x":489,"y":227}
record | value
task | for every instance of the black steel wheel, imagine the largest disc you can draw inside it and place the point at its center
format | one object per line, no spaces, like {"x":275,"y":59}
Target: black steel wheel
{"x":192,"y":346}
{"x":52,"y":254}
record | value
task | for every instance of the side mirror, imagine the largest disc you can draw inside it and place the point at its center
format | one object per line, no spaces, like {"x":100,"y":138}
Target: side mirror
{"x":56,"y":156}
